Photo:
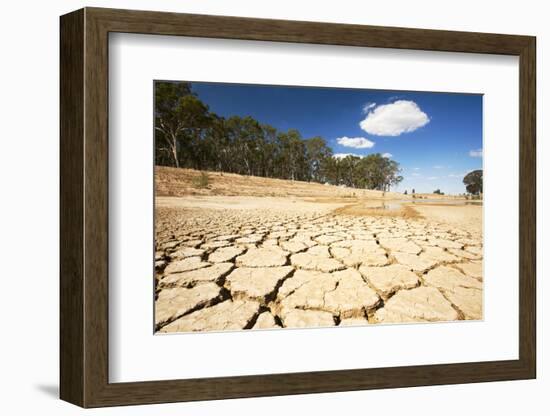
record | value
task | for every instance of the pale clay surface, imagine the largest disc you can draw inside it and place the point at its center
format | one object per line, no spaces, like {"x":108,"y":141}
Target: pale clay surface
{"x":298,"y":266}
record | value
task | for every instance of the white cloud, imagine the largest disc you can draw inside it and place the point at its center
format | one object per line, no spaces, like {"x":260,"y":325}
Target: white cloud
{"x":432,"y":178}
{"x":393,"y":119}
{"x":368,"y":106}
{"x":416,"y":168}
{"x":438,"y":167}
{"x":388,"y":155}
{"x":415,"y":174}
{"x":476,"y":153}
{"x":355,"y":142}
{"x":343,"y":155}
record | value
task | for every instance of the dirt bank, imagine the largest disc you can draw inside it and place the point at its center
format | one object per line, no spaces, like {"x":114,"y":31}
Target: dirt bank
{"x":185,"y":182}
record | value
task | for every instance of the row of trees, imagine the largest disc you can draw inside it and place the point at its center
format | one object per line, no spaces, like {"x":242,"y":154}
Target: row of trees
{"x":188,"y":134}
{"x":371,"y":172}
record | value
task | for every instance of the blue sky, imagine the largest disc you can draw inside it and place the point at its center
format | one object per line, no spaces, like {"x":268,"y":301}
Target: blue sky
{"x":435,"y":137}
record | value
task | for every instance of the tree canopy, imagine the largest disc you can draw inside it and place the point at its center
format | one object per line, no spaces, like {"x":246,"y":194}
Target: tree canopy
{"x":188,"y":134}
{"x":474,"y":182}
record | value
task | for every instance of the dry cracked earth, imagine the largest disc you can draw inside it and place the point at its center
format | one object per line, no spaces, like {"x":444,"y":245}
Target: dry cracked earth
{"x":258,"y":269}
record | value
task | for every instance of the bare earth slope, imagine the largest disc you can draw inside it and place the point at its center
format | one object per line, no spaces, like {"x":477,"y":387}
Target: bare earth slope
{"x":180,"y":182}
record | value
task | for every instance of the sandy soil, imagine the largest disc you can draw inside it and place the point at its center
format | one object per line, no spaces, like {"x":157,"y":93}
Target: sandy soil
{"x":251,"y":203}
{"x":469,"y":217}
{"x":182,"y":182}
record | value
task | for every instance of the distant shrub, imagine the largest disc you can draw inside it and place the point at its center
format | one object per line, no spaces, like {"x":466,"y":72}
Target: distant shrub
{"x":202,"y":181}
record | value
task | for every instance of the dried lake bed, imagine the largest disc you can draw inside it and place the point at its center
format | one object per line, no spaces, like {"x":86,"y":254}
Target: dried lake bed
{"x":253,"y":262}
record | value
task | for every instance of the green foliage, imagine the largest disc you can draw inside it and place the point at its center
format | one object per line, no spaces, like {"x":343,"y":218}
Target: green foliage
{"x":438,"y":192}
{"x":188,"y":134}
{"x":474,"y":182}
{"x":201,"y":181}
{"x":180,"y":120}
{"x":317,"y":155}
{"x":372,"y":172}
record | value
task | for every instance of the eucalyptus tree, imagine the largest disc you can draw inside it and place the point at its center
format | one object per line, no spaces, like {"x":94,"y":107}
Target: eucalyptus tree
{"x":215,"y":146}
{"x":474,"y":182}
{"x":180,"y":118}
{"x":317,"y":154}
{"x":292,"y":157}
{"x":269,"y":152}
{"x":245,"y":136}
{"x":168,"y":123}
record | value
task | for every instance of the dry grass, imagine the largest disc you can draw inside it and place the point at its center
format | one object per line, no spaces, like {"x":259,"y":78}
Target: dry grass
{"x":193,"y":188}
{"x":201,"y":181}
{"x":182,"y":182}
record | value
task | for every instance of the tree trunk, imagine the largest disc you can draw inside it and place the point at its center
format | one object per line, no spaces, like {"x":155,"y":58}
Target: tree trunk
{"x":174,"y":148}
{"x":175,"y":155}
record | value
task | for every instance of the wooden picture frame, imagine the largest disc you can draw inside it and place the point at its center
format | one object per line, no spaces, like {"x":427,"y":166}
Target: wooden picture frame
{"x":84,"y":207}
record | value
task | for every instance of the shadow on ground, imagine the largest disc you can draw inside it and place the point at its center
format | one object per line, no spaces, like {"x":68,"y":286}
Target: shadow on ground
{"x":51,"y":390}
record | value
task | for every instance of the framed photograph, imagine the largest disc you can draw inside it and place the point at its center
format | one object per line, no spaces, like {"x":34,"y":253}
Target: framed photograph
{"x":255,"y":207}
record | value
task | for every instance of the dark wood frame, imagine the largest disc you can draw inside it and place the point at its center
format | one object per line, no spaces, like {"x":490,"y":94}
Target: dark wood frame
{"x":84,"y":207}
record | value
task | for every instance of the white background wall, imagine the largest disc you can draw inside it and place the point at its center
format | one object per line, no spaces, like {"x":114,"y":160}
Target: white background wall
{"x":29,"y":159}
